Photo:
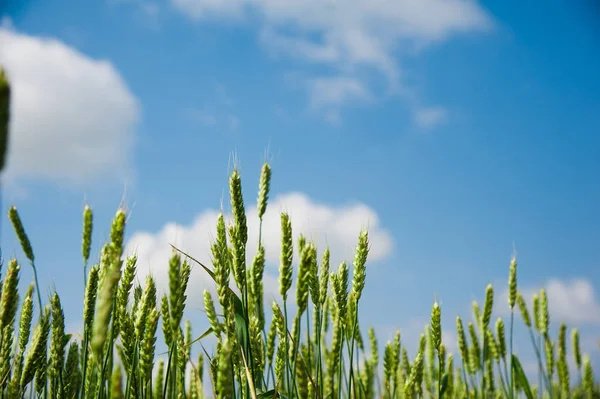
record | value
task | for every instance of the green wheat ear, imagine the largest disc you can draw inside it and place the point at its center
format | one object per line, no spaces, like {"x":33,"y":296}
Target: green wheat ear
{"x":15,"y":219}
{"x":263,"y":189}
{"x":436,"y":326}
{"x":476,"y":312}
{"x":111,"y":273}
{"x":10,"y":295}
{"x":536,"y":312}
{"x":462,"y":340}
{"x":287,"y":252}
{"x":576,"y":348}
{"x":148,"y":345}
{"x":116,"y":381}
{"x":71,"y":373}
{"x":36,"y":357}
{"x":588,"y":377}
{"x":159,"y":381}
{"x":57,"y":346}
{"x":488,"y":305}
{"x":360,"y":261}
{"x":501,"y":337}
{"x":224,"y":377}
{"x":238,"y":232}
{"x":544,"y":314}
{"x":324,"y":276}
{"x":211,"y":314}
{"x":512,"y":283}
{"x":523,"y":309}
{"x":308,"y":254}
{"x":86,"y":242}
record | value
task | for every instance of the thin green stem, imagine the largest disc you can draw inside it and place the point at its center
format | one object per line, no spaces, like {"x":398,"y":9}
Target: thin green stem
{"x":351,"y":372}
{"x":308,"y":341}
{"x":483,"y":356}
{"x":132,"y":370}
{"x":319,"y":355}
{"x":166,"y":386}
{"x":512,"y":379}
{"x":502,"y":379}
{"x":85,"y":360}
{"x":341,"y":357}
{"x":439,"y":375}
{"x":37,"y":286}
{"x":464,"y":373}
{"x":287,"y":360}
{"x":247,"y":345}
{"x":541,"y":373}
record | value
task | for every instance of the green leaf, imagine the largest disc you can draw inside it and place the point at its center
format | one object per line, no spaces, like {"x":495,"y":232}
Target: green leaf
{"x":268,"y":394}
{"x":240,"y":323}
{"x":520,"y":374}
{"x":210,"y":272}
{"x":204,"y":335}
{"x":444,"y":385}
{"x":240,"y":315}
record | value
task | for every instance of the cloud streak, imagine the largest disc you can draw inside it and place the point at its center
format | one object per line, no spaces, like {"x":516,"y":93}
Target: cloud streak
{"x":355,"y":39}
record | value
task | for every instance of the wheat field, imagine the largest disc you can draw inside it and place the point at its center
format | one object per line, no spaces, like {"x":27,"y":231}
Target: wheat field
{"x":263,"y":350}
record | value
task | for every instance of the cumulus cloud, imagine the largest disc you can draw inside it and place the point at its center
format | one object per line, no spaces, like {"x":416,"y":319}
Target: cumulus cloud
{"x":334,"y":226}
{"x":349,"y":36}
{"x":73,"y":117}
{"x":572,"y":301}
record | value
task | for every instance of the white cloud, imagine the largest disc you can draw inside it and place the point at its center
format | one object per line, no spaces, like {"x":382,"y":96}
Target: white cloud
{"x":213,"y":118}
{"x":430,"y":117}
{"x":202,"y":116}
{"x":150,"y":9}
{"x":73,"y":117}
{"x":333,"y":226}
{"x":212,"y":8}
{"x":326,"y":92}
{"x":147,"y":8}
{"x":572,"y":301}
{"x":348,"y":36}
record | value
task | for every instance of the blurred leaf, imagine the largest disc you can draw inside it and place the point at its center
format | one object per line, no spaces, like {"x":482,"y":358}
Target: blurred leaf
{"x":4,"y":116}
{"x":444,"y":385}
{"x":272,"y":393}
{"x":520,"y":374}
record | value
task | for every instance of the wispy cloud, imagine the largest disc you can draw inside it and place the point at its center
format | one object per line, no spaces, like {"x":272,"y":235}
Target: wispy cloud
{"x":353,"y":38}
{"x":146,"y":12}
{"x":223,"y":96}
{"x":220,"y":115}
{"x":430,"y":117}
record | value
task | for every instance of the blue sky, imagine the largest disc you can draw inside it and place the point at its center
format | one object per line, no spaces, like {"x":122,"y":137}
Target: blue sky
{"x":457,"y":129}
